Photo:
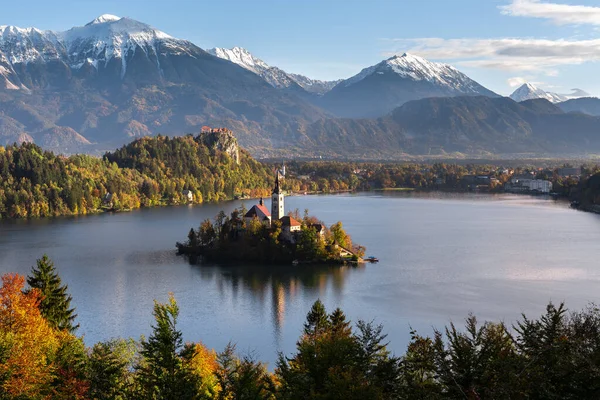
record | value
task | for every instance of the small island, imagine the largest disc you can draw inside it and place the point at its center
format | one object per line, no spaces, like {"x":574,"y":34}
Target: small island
{"x":257,"y":235}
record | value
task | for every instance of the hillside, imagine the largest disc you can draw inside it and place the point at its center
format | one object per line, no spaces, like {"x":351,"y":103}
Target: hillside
{"x":585,"y":105}
{"x":468,"y":124}
{"x":146,"y":172}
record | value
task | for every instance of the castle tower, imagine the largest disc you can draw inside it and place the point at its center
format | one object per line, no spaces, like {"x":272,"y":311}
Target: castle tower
{"x":277,"y":205}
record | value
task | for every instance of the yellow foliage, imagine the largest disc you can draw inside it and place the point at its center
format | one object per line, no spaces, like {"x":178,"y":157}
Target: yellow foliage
{"x":204,"y":365}
{"x":29,"y":341}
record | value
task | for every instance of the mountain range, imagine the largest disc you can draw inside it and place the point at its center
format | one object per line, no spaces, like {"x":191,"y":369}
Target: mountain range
{"x":527,"y":91}
{"x":93,"y":87}
{"x":273,"y":75}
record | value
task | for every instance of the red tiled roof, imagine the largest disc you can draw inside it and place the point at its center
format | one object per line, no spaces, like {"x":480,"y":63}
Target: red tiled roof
{"x":289,"y":221}
{"x":252,"y":212}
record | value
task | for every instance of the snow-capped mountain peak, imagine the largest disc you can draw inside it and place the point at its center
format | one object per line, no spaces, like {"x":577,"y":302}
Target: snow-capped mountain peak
{"x":273,"y":75}
{"x":527,"y":91}
{"x":415,"y":68}
{"x":104,"y":18}
{"x":241,"y":57}
{"x":97,"y":44}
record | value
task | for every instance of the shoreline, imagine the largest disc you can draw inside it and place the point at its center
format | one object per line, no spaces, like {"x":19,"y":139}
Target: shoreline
{"x":102,"y":211}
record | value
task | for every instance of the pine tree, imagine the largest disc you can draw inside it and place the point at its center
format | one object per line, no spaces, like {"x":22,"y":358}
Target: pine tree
{"x":56,"y":303}
{"x":163,"y":374}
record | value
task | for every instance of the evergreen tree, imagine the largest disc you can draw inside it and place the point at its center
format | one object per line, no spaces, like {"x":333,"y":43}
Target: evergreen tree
{"x":56,"y":302}
{"x":243,"y":379}
{"x":110,"y":366}
{"x":316,"y":320}
{"x":163,"y":374}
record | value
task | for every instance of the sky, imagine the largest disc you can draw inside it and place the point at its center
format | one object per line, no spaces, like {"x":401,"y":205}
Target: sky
{"x":554,"y":44}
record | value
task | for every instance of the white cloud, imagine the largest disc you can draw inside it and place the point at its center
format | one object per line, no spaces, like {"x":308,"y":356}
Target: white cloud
{"x":560,"y":14}
{"x":519,"y":80}
{"x":516,"y":81}
{"x":507,"y":54}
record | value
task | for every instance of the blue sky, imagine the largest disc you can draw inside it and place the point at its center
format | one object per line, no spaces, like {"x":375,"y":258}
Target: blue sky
{"x":501,"y":43}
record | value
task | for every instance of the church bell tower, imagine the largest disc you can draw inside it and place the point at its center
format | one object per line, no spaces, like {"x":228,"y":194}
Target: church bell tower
{"x":277,"y":205}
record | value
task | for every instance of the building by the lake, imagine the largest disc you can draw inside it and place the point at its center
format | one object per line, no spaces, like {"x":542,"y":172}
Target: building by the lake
{"x":289,"y":225}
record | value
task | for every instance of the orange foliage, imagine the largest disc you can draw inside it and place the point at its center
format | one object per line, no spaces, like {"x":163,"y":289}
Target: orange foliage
{"x":28,"y":338}
{"x":204,"y":365}
{"x":30,"y":347}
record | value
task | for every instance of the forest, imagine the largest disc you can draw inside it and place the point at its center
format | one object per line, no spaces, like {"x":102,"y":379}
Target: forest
{"x":554,"y":356}
{"x":147,"y":172}
{"x":156,"y":171}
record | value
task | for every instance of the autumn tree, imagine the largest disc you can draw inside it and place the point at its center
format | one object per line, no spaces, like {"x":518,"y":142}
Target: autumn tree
{"x":55,"y":305}
{"x":202,"y":364}
{"x":27,"y":340}
{"x":339,"y":236}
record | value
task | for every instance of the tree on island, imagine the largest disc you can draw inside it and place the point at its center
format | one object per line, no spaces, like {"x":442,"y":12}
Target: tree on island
{"x":55,"y":305}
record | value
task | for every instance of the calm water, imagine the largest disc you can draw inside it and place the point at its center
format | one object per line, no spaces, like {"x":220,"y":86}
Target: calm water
{"x":442,"y":256}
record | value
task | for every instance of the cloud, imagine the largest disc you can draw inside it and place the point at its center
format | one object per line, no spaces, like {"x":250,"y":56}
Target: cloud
{"x":507,"y":54}
{"x":519,"y":80}
{"x":560,"y":14}
{"x":516,"y":81}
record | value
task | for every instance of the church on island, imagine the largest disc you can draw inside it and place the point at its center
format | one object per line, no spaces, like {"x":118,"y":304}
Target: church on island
{"x":289,"y":225}
{"x":270,"y":236}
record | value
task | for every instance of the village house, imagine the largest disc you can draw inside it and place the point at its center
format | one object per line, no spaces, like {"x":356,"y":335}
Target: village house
{"x":189,"y":195}
{"x":289,"y":227}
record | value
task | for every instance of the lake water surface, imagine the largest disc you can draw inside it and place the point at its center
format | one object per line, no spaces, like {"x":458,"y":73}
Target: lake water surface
{"x":441,"y":257}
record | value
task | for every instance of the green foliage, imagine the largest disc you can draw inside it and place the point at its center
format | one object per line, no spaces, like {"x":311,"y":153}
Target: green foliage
{"x":243,"y":379}
{"x":163,"y":376}
{"x":332,"y":362}
{"x":56,"y":302}
{"x":144,"y":173}
{"x":110,"y":369}
{"x":556,"y":356}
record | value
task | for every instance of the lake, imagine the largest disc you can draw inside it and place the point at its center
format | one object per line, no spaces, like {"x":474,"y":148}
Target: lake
{"x":441,"y":257}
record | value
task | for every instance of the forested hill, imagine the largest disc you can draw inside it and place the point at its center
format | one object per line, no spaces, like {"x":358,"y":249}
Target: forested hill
{"x":146,"y":172}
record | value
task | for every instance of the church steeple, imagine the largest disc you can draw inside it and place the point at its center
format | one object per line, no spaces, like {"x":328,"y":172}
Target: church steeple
{"x":276,"y":189}
{"x":277,"y":200}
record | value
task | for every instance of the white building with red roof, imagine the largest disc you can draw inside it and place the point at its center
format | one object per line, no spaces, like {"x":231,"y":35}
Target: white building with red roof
{"x":288,"y":227}
{"x":260,"y":212}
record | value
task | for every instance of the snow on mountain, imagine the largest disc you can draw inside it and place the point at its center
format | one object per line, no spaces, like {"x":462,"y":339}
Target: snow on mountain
{"x":274,"y":76}
{"x":314,"y":85}
{"x":104,"y":18}
{"x":380,"y":88}
{"x":527,"y":91}
{"x":97,"y":43}
{"x":417,"y":68}
{"x":242,"y":57}
{"x":108,"y":37}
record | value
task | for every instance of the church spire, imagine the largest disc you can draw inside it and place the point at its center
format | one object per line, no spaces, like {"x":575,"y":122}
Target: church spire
{"x":277,"y":189}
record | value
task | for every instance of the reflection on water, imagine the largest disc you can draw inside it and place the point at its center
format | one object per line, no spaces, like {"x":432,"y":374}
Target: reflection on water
{"x":276,"y":285}
{"x":441,"y":256}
